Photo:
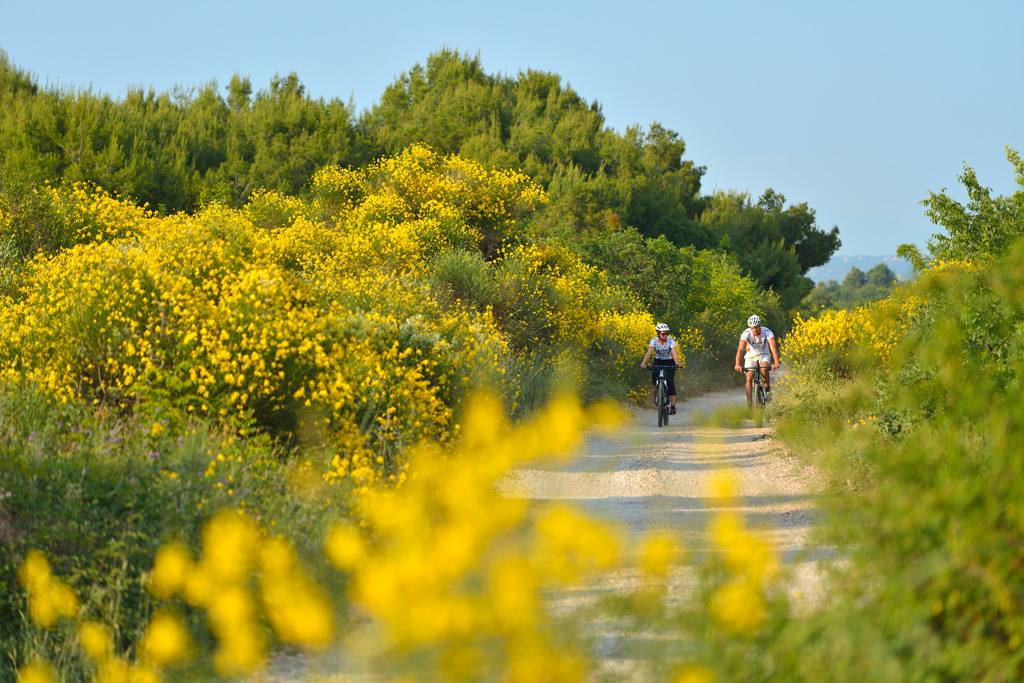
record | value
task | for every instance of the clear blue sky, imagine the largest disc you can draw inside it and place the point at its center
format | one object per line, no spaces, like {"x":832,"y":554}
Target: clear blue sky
{"x":858,"y":108}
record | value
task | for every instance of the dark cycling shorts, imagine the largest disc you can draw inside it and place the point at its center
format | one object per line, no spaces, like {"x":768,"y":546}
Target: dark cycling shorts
{"x":670,"y":375}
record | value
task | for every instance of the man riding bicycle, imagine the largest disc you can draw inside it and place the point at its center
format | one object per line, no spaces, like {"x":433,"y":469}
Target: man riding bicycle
{"x":666,"y":355}
{"x":757,"y":348}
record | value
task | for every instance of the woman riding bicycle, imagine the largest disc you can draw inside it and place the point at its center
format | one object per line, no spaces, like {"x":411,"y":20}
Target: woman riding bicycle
{"x":666,"y":355}
{"x":757,"y":348}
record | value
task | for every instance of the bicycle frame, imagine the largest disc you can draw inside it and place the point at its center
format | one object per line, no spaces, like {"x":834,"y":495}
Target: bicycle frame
{"x":758,"y":391}
{"x":661,"y":392}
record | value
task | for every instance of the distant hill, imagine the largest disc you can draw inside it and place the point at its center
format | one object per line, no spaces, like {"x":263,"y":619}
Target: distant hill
{"x":838,"y":266}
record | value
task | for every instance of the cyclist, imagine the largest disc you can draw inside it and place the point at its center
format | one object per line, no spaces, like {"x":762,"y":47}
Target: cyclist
{"x":757,"y":348}
{"x":666,"y":355}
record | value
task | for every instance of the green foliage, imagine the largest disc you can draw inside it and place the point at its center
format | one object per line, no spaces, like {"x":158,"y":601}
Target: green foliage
{"x":99,"y":494}
{"x":176,"y":150}
{"x":532,"y":122}
{"x":924,"y":454}
{"x":464,"y":277}
{"x":984,"y":226}
{"x":775,"y":245}
{"x":687,"y":288}
{"x":857,"y":288}
{"x":913,"y":255}
{"x":184,"y":149}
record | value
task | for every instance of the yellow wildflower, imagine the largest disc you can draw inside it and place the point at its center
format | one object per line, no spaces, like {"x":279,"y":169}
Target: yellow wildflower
{"x":95,"y":640}
{"x":659,"y":551}
{"x":738,"y":606}
{"x":37,"y":672}
{"x":345,"y":547}
{"x":170,"y":570}
{"x":166,"y":641}
{"x":694,"y":674}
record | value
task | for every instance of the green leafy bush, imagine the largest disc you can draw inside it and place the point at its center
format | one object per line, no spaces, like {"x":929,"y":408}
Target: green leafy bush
{"x":923,"y":449}
{"x":98,"y":494}
{"x":701,"y":290}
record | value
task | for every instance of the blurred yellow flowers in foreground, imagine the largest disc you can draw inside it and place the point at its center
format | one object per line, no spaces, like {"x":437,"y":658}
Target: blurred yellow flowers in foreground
{"x":442,"y":564}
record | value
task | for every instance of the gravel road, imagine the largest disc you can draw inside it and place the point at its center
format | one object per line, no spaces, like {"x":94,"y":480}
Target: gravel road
{"x":645,"y":478}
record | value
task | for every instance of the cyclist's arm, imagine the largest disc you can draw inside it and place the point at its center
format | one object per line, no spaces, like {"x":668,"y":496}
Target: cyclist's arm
{"x":647,"y":356}
{"x":675,"y":355}
{"x":739,"y":354}
{"x":775,"y":352}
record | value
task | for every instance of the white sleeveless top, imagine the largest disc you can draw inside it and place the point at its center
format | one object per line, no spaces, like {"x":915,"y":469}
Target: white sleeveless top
{"x":663,"y":351}
{"x":757,"y":346}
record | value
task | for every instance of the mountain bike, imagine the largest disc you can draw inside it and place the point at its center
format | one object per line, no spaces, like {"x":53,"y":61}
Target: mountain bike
{"x":661,"y":393}
{"x":758,"y":394}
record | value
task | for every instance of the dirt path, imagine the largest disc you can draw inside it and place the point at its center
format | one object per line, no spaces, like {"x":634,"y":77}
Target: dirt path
{"x":645,"y":478}
{"x":649,"y":478}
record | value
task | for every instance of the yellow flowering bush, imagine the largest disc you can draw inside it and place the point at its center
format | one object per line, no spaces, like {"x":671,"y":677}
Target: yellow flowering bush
{"x":874,"y":329}
{"x":839,"y":331}
{"x":273,"y":210}
{"x":937,"y":266}
{"x":90,"y":214}
{"x":476,"y":205}
{"x":618,"y":336}
{"x":47,"y":219}
{"x":260,"y":315}
{"x":286,"y":311}
{"x":549,"y":295}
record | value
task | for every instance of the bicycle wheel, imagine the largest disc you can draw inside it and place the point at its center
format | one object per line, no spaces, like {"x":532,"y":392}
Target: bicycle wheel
{"x":759,"y":392}
{"x":661,"y":399}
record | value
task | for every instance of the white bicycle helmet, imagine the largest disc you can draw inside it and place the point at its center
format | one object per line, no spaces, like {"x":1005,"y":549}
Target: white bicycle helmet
{"x":753,"y":321}
{"x":661,"y":327}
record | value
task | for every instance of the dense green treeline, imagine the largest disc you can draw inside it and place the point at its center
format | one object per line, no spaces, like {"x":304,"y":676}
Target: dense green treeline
{"x":182,"y":149}
{"x":858,"y":287}
{"x":173,"y":151}
{"x":698,"y":289}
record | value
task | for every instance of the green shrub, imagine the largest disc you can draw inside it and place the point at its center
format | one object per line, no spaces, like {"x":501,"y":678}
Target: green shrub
{"x":703,"y":290}
{"x":926,"y":453}
{"x":99,"y":494}
{"x":464,"y":276}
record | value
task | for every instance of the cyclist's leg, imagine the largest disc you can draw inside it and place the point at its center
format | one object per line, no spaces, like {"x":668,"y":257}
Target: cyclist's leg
{"x":749,"y":374}
{"x":671,"y":374}
{"x":766,"y":376}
